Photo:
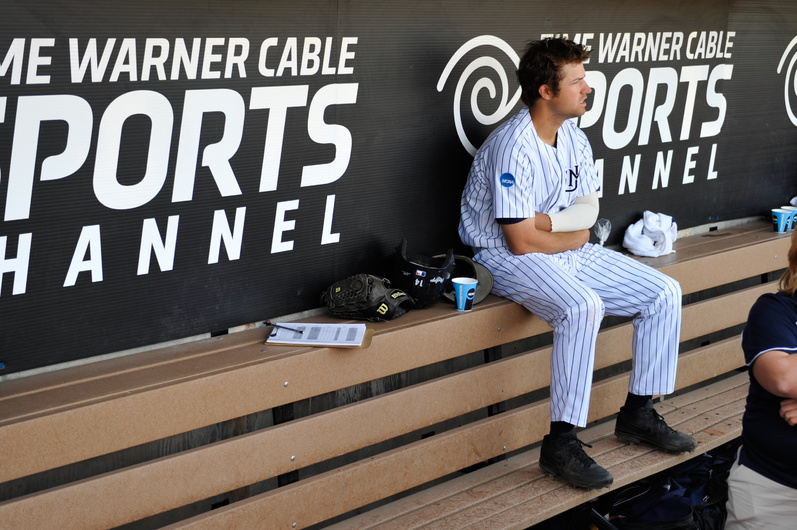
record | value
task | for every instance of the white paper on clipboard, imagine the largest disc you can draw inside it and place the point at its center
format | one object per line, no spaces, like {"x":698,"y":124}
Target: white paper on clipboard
{"x":310,"y":334}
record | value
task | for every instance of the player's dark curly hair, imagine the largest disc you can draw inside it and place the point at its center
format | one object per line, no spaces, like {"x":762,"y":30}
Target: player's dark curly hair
{"x":541,"y":63}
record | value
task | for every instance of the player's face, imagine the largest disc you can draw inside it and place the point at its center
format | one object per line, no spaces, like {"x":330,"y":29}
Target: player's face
{"x":571,"y":101}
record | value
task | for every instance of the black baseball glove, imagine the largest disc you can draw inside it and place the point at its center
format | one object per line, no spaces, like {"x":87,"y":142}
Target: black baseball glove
{"x":365,"y":297}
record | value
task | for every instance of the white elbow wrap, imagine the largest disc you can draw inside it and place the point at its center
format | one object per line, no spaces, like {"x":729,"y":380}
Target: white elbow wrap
{"x":581,"y":215}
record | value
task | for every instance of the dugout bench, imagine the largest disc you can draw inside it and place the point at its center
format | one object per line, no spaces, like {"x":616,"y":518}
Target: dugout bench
{"x":436,"y":424}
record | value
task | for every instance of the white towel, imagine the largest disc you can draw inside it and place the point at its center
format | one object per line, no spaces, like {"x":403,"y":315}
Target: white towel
{"x":651,"y":236}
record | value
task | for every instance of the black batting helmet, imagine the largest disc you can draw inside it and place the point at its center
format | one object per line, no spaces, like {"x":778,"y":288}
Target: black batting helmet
{"x":423,"y":278}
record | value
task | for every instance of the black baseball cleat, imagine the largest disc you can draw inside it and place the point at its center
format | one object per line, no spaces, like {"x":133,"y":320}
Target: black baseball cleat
{"x":645,"y":425}
{"x":564,"y":457}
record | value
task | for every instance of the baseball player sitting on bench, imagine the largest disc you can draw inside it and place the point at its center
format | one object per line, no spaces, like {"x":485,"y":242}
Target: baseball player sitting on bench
{"x":527,"y":207}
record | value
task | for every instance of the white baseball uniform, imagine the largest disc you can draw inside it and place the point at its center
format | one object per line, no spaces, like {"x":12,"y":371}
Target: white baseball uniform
{"x":513,"y":175}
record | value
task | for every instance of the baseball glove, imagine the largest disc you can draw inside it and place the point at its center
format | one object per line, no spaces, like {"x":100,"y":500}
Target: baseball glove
{"x":365,"y":297}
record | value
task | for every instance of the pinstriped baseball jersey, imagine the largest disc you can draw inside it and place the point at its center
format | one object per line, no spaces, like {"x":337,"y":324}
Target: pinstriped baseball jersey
{"x":515,"y":174}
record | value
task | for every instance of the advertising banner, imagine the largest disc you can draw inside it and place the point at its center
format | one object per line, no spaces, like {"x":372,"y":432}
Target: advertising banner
{"x":169,"y":169}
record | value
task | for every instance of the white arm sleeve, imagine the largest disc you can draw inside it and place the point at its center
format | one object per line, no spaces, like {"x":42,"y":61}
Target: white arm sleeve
{"x":580,"y":215}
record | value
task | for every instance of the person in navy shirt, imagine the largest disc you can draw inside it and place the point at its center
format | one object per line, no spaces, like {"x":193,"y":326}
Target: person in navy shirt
{"x":762,"y":486}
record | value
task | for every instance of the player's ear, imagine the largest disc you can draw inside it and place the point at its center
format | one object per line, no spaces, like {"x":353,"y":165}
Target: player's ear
{"x":545,"y":92}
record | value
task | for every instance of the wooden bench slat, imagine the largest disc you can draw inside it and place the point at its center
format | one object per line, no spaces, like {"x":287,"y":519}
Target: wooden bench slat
{"x":502,"y":490}
{"x":716,"y":314}
{"x":220,"y":352}
{"x":118,"y":415}
{"x":172,"y":365}
{"x":699,"y":319}
{"x":626,"y":468}
{"x":443,"y":493}
{"x":68,"y":416}
{"x":182,"y":375}
{"x":461,"y":393}
{"x":693,"y":367}
{"x":719,"y":241}
{"x":377,"y":477}
{"x":429,"y":459}
{"x":228,"y":465}
{"x":730,"y":266}
{"x":136,"y":417}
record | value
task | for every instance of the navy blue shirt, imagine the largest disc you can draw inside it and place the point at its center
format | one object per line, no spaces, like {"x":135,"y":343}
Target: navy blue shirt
{"x":769,"y":443}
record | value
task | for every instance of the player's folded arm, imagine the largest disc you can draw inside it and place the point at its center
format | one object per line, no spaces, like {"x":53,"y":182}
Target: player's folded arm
{"x":523,"y":237}
{"x":581,"y":215}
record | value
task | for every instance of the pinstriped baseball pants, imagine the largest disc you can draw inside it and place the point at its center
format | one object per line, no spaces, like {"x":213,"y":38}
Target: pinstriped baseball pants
{"x":572,"y":291}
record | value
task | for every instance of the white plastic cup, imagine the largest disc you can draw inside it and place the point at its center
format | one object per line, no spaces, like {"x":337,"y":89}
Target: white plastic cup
{"x":781,"y":219}
{"x":464,"y":291}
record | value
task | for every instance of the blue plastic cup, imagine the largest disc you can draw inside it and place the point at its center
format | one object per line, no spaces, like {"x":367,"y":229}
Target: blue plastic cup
{"x":464,"y":291}
{"x":781,"y":219}
{"x":793,"y":218}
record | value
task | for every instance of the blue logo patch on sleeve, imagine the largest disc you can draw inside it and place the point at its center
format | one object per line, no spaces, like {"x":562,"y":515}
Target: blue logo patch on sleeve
{"x":507,"y":180}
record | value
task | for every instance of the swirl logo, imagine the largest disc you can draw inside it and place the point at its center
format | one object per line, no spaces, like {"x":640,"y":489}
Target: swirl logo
{"x":791,"y":78}
{"x":505,"y":105}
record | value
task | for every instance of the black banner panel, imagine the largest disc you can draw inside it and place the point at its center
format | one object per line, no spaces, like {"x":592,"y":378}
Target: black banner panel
{"x":169,"y":169}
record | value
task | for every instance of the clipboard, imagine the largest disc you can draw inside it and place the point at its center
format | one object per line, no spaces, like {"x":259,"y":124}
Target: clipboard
{"x":316,"y":334}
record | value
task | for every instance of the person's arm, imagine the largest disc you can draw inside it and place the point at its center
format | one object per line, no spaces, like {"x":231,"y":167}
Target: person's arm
{"x":581,"y":215}
{"x":776,"y":371}
{"x":525,"y":237}
{"x":549,"y":234}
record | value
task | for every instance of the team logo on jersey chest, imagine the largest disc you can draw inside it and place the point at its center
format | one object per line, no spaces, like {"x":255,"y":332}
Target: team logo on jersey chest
{"x":507,"y":180}
{"x":572,"y":179}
